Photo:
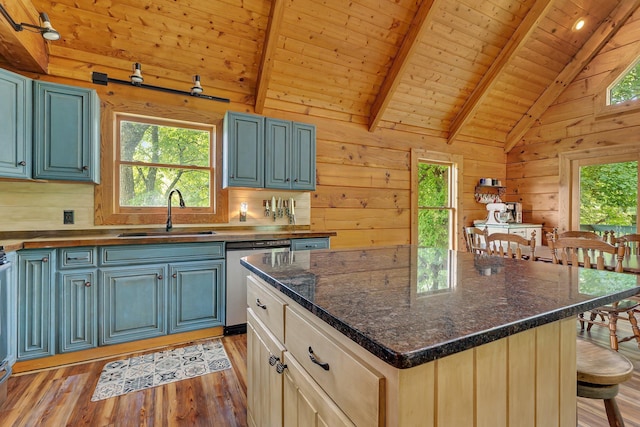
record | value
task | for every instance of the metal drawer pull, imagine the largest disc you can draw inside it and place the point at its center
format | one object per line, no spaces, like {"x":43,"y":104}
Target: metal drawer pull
{"x":75,"y":258}
{"x":261,"y":305}
{"x":87,"y":284}
{"x":273,"y":360}
{"x":280,"y":368}
{"x":324,"y":366}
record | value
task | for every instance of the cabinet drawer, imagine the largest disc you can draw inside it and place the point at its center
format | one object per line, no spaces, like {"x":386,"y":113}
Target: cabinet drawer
{"x":144,"y":254}
{"x":267,"y":307}
{"x":355,"y":387}
{"x":306,"y":404}
{"x":77,"y":258}
{"x":309,"y":244}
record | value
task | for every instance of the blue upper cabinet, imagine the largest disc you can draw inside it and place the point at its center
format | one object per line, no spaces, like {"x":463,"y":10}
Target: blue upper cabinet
{"x":243,"y":148}
{"x":263,"y":152}
{"x":15,"y":122}
{"x":303,"y":157}
{"x":66,"y":133}
{"x":277,"y":161}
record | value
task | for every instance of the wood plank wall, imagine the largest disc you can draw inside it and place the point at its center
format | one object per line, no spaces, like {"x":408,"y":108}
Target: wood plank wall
{"x":363,"y":178}
{"x":570,"y":125}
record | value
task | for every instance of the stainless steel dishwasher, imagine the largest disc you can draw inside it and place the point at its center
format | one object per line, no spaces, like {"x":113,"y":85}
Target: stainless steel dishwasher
{"x":236,"y":320}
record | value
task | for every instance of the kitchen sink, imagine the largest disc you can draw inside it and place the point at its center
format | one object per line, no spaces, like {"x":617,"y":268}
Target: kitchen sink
{"x":166,"y":233}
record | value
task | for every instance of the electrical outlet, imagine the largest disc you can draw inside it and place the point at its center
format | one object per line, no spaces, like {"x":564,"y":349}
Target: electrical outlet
{"x":68,"y":217}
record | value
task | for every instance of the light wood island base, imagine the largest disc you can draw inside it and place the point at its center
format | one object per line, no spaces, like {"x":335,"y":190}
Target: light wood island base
{"x":524,"y":380}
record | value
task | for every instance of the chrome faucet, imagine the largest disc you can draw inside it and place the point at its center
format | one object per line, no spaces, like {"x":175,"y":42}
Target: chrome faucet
{"x":182,"y":205}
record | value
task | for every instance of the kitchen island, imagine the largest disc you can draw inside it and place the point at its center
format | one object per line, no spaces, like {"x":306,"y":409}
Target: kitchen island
{"x":404,"y":336}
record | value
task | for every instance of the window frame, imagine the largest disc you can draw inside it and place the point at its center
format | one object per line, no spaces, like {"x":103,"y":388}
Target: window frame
{"x":569,"y":165}
{"x":107,"y":210}
{"x":455,"y":212}
{"x":601,"y":101}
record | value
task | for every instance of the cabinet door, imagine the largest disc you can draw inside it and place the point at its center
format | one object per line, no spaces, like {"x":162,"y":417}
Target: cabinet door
{"x":133,"y":303}
{"x":303,"y":157}
{"x":264,"y":383}
{"x":36,"y":269}
{"x":277,"y":163}
{"x":196,"y":295}
{"x":15,"y":122}
{"x":66,"y":134}
{"x":305,"y":403}
{"x":77,"y":309}
{"x":243,"y":150}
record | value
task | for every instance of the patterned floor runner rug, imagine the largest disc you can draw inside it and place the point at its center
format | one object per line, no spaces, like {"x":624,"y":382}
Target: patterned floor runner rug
{"x":150,"y":370}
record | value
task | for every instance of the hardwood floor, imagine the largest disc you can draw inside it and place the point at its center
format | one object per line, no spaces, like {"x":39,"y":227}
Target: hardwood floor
{"x":62,"y":397}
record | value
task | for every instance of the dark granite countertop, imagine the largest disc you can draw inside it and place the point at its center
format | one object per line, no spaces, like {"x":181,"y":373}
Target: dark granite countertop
{"x":14,"y":241}
{"x":410,"y":305}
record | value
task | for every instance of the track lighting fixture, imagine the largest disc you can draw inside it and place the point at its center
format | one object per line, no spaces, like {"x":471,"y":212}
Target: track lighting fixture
{"x":45,"y":28}
{"x":136,"y":79}
{"x":197,"y":88}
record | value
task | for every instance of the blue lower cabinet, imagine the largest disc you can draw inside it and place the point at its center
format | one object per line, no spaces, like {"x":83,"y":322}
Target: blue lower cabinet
{"x":77,"y":311}
{"x":36,"y":303}
{"x":133,"y":303}
{"x":196,"y":295}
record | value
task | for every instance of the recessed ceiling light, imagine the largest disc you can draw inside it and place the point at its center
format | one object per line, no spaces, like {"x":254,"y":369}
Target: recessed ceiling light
{"x":579,"y":24}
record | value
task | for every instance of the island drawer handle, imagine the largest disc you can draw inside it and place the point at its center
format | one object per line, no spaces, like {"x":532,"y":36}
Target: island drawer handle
{"x":324,"y":366}
{"x":280,"y":368}
{"x":261,"y":305}
{"x":273,"y":360}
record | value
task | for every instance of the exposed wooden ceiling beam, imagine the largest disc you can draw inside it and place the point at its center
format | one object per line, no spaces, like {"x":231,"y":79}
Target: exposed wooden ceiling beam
{"x":23,"y":50}
{"x":519,"y":38}
{"x":268,"y":51}
{"x":411,"y":40}
{"x":596,"y":42}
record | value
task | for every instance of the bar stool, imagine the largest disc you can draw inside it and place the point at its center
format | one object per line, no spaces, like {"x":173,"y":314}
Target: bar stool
{"x":600,"y":370}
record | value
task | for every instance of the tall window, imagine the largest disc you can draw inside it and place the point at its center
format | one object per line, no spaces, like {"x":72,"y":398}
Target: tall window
{"x":436,"y":179}
{"x":157,"y":156}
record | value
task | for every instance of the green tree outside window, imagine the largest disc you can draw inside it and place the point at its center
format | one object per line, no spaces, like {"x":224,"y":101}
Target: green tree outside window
{"x":434,"y":205}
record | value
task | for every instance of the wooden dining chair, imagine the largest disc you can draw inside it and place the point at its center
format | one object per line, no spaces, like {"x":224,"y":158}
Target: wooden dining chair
{"x":632,"y":242}
{"x":577,"y":234}
{"x":598,"y":254}
{"x":475,"y":239}
{"x":512,"y":245}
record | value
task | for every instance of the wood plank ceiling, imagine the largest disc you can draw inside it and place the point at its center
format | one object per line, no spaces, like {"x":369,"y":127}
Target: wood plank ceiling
{"x":479,"y":70}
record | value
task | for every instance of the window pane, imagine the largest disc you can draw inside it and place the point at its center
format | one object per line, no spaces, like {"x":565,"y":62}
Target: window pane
{"x":150,"y":186}
{"x":433,"y":228}
{"x":608,"y":197}
{"x":433,"y":185}
{"x":628,"y":88}
{"x":148,"y":143}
